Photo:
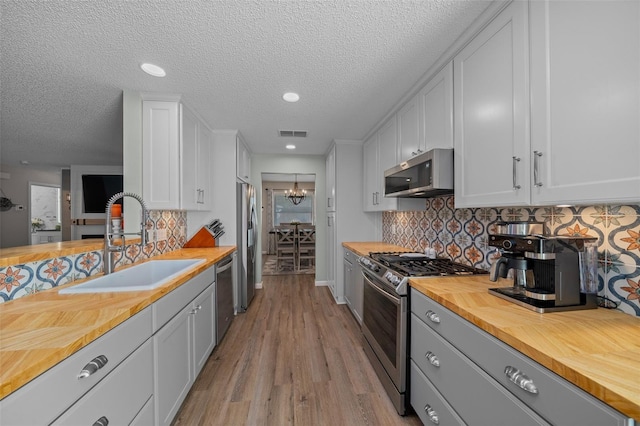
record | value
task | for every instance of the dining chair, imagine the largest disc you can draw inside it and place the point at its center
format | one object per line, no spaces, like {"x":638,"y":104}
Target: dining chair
{"x":306,"y":247}
{"x":285,"y":247}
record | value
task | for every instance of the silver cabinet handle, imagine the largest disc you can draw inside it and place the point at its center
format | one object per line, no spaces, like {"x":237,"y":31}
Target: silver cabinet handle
{"x":433,"y":416}
{"x":196,"y":309}
{"x":536,"y":157}
{"x":102,"y":421}
{"x":432,"y":316}
{"x":432,"y":358}
{"x":520,"y":379}
{"x":328,"y":202}
{"x":516,"y":160}
{"x":92,"y":366}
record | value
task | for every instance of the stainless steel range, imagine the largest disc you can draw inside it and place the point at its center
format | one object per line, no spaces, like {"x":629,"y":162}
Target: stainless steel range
{"x":385,"y":313}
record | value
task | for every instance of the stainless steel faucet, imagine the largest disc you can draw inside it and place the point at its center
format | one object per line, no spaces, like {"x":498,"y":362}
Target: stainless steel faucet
{"x":109,"y":247}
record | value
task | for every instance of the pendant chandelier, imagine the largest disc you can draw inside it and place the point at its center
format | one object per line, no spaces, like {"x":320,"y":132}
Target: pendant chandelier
{"x":295,"y":195}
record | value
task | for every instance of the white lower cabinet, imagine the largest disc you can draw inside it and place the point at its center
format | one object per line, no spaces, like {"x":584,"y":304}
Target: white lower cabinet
{"x":353,"y":284}
{"x":456,"y":366}
{"x":119,"y":397}
{"x":181,"y":348}
{"x":138,"y":373}
{"x":57,"y":390}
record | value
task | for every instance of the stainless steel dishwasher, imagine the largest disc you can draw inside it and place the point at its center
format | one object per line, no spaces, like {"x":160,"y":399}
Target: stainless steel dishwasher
{"x":224,"y":295}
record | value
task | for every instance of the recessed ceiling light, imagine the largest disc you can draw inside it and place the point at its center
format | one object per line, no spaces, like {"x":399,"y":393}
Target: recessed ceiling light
{"x":291,"y":97}
{"x":24,"y":162}
{"x":291,"y":147}
{"x":153,"y":70}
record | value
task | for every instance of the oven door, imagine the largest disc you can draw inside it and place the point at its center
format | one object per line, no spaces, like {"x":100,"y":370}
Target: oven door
{"x":384,"y":325}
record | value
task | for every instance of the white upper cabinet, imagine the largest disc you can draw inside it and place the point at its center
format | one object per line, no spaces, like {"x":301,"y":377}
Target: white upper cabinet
{"x":243,"y":158}
{"x":176,"y":146}
{"x":436,"y":101}
{"x":426,"y":121}
{"x":491,"y":104}
{"x":195,"y":165}
{"x":585,"y":102}
{"x":379,"y":155}
{"x":331,"y":179}
{"x":161,"y":154}
{"x":409,"y":123}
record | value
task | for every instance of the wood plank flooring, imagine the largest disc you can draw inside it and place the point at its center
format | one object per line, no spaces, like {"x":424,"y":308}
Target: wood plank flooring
{"x":295,"y":358}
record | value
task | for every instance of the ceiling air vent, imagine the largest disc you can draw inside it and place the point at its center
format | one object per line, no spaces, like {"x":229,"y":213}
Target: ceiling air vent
{"x":292,"y":133}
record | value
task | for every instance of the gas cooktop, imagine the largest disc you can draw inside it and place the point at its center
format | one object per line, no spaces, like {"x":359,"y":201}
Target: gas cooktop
{"x":419,"y":265}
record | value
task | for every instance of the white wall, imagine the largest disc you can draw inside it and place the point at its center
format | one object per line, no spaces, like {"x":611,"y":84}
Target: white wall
{"x":263,"y":163}
{"x":15,"y":225}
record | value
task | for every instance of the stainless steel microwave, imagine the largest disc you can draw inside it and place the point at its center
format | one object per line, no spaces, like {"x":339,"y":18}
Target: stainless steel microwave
{"x":423,"y":176}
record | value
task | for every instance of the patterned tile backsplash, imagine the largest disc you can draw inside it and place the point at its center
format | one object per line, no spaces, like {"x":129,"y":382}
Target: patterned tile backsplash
{"x":462,"y":235}
{"x":24,"y":279}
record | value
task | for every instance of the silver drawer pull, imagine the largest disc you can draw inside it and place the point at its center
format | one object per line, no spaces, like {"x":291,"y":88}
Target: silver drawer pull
{"x":196,"y":309}
{"x":520,"y":379}
{"x":433,"y":416}
{"x":94,"y":365}
{"x":432,"y":358}
{"x":432,"y":316}
{"x":536,"y":157}
{"x":516,"y":160}
{"x":102,"y":421}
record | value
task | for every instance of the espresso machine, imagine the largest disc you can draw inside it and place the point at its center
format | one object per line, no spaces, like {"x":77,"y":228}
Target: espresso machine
{"x":550,"y":273}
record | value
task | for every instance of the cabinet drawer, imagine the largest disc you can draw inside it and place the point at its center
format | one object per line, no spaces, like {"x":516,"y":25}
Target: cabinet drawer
{"x":557,"y":400}
{"x":59,"y":387}
{"x":120,"y":396}
{"x":477,"y":398}
{"x":424,"y":397}
{"x":168,"y":306}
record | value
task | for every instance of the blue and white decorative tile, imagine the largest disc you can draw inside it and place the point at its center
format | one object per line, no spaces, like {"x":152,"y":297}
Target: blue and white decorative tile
{"x":623,"y":286}
{"x":87,"y":264}
{"x":14,"y":279}
{"x":512,"y":214}
{"x":53,"y":272}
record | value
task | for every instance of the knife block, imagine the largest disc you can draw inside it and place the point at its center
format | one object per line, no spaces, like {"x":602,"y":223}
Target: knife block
{"x":202,"y":238}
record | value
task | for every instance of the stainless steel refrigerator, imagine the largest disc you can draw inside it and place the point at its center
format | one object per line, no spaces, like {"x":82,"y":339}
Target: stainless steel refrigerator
{"x":247,"y":239}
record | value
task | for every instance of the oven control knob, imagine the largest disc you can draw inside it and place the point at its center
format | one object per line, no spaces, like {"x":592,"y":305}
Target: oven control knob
{"x":393,"y":279}
{"x":508,"y":244}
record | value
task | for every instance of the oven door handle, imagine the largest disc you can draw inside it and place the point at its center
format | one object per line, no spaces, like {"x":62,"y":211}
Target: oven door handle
{"x":373,"y":285}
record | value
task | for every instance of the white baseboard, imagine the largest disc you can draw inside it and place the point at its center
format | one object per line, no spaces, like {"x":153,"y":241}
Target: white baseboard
{"x":322,"y":283}
{"x":258,"y":285}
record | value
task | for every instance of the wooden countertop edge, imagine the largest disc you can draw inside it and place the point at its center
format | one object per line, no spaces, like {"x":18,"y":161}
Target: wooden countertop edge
{"x":20,"y":373}
{"x":557,"y":365}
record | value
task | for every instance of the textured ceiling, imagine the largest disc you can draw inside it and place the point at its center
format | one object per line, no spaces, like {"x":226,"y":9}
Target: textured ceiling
{"x":64,"y":65}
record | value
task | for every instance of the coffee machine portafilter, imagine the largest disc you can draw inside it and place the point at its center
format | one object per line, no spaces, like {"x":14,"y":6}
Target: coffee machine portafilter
{"x":550,"y":273}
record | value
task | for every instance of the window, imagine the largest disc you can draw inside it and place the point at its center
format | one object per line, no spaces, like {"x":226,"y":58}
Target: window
{"x":284,"y":211}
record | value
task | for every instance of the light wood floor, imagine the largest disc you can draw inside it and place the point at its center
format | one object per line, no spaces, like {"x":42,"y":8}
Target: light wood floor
{"x":295,"y":358}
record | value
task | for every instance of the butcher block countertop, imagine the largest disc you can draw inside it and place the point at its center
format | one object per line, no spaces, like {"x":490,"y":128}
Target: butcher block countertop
{"x":40,"y":330}
{"x":598,"y":350}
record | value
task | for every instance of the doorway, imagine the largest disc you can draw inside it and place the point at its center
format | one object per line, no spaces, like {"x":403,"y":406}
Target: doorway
{"x":280,"y":212}
{"x":44,"y":213}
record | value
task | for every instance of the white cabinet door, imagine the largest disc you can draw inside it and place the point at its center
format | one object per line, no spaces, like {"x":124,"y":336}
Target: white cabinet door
{"x":585,"y":104}
{"x":204,"y":327}
{"x":436,"y":99}
{"x":331,"y":253}
{"x":243,"y":166}
{"x":161,"y":154}
{"x":387,"y":158}
{"x":491,"y":154}
{"x":331,"y":180}
{"x":409,"y":130}
{"x":205,"y":137}
{"x":119,"y":397}
{"x":189,"y":129}
{"x":173,"y":365}
{"x":370,"y":171}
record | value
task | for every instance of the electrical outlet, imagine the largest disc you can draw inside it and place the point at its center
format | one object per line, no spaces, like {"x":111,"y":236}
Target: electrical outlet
{"x":393,"y":228}
{"x":161,"y":234}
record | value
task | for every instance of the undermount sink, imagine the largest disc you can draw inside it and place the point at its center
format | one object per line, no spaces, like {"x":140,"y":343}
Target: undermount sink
{"x":145,"y":276}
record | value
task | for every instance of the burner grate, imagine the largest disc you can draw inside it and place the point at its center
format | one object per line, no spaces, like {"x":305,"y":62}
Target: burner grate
{"x":423,"y":266}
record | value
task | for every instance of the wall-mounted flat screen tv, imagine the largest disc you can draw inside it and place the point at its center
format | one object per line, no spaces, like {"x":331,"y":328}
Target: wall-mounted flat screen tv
{"x":97,"y":189}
